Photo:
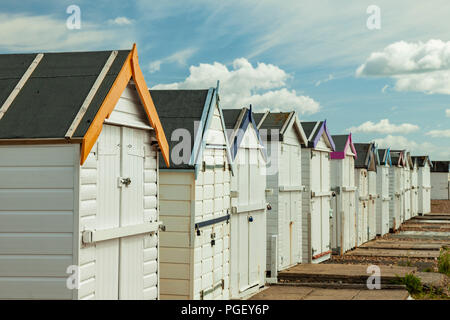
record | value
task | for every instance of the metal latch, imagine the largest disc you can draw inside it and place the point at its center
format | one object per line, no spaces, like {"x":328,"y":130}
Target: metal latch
{"x":123,"y":182}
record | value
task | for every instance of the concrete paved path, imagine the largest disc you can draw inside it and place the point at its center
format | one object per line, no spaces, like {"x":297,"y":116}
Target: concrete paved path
{"x":278,"y":292}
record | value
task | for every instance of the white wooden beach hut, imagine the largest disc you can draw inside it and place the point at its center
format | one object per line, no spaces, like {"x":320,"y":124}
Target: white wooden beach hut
{"x":414,"y":173}
{"x":79,"y":139}
{"x":385,"y":162}
{"x":407,"y":187}
{"x":248,"y":204}
{"x":343,"y":223}
{"x":316,"y":200}
{"x":424,"y":183}
{"x":283,"y":135}
{"x":194,"y":196}
{"x":363,"y":164}
{"x":440,"y":180}
{"x":373,"y":195}
{"x":396,"y":188}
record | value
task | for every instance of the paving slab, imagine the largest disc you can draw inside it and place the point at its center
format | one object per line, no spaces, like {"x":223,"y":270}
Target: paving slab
{"x":332,"y":294}
{"x":400,"y":253}
{"x":282,"y":293}
{"x":305,"y":293}
{"x":433,"y":235}
{"x":339,"y":273}
{"x":382,"y":295}
{"x":405,"y":245}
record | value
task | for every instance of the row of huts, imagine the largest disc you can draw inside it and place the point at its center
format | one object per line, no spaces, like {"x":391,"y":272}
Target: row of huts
{"x":111,"y":191}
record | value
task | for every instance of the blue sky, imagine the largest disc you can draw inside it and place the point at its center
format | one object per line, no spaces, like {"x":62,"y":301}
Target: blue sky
{"x":282,"y":55}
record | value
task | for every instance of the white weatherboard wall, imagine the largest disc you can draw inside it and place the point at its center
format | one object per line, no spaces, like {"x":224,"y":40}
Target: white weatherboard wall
{"x":396,"y":193}
{"x":316,"y":203}
{"x":414,"y":191}
{"x":248,"y":217}
{"x":362,"y":208}
{"x":197,"y":266}
{"x":284,"y":172}
{"x":383,"y":199}
{"x":372,"y":205}
{"x":407,"y":193}
{"x":38,"y":213}
{"x":424,"y":189}
{"x":343,"y":223}
{"x":51,"y":200}
{"x":440,"y":182}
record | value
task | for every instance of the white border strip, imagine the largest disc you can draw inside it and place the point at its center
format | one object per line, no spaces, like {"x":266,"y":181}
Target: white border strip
{"x":20,"y":84}
{"x":91,"y":95}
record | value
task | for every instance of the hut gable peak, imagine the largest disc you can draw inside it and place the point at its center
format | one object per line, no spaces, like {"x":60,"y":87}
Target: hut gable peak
{"x":344,"y":147}
{"x":318,"y":132}
{"x":67,"y":96}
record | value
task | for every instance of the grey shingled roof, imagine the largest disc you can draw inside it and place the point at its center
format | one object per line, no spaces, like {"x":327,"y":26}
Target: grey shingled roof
{"x":441,"y":166}
{"x":382,"y":155}
{"x":179,"y":109}
{"x":362,"y":149}
{"x":340,"y":141}
{"x":273,"y":121}
{"x":49,"y":101}
{"x":230,"y":117}
{"x":308,"y":127}
{"x":421,"y":160}
{"x":258,"y":117}
{"x":395,"y":157}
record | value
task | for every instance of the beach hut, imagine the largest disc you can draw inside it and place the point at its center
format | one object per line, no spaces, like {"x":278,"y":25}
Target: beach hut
{"x":365,"y":163}
{"x":282,"y":135}
{"x":385,"y":162}
{"x":316,"y":176}
{"x":79,"y":148}
{"x":424,"y":205}
{"x":440,"y":180}
{"x":407,"y":187}
{"x":414,"y":174}
{"x":194,"y":196}
{"x":373,"y":195}
{"x":343,"y":223}
{"x":396,"y":188}
{"x":248,"y":206}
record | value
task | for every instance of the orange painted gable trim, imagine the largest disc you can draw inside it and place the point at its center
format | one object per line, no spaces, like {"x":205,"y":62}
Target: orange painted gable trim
{"x":149,"y":106}
{"x":129,"y":69}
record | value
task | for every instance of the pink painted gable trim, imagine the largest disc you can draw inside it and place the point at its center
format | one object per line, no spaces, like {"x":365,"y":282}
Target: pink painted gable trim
{"x":336,"y":155}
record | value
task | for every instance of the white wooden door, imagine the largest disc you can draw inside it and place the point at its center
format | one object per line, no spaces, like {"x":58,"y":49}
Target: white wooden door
{"x":248,"y":222}
{"x":108,"y":214}
{"x":120,"y":261}
{"x":385,"y":198}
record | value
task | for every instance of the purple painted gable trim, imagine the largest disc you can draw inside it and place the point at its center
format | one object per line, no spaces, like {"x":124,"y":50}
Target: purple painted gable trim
{"x":321,"y":130}
{"x":336,"y":155}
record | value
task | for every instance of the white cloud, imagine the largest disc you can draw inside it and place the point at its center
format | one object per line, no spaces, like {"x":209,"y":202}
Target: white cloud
{"x":179,"y":57}
{"x":439,"y":133}
{"x":121,"y":21}
{"x":401,"y":143}
{"x":330,"y":77}
{"x":262,"y":86}
{"x":416,"y":148}
{"x":384,"y":126}
{"x":418,"y":66}
{"x":447,"y":113}
{"x":25,"y":33}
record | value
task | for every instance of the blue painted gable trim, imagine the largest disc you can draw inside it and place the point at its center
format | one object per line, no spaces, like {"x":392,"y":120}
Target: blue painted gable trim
{"x":207,"y":115}
{"x":246,"y":120}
